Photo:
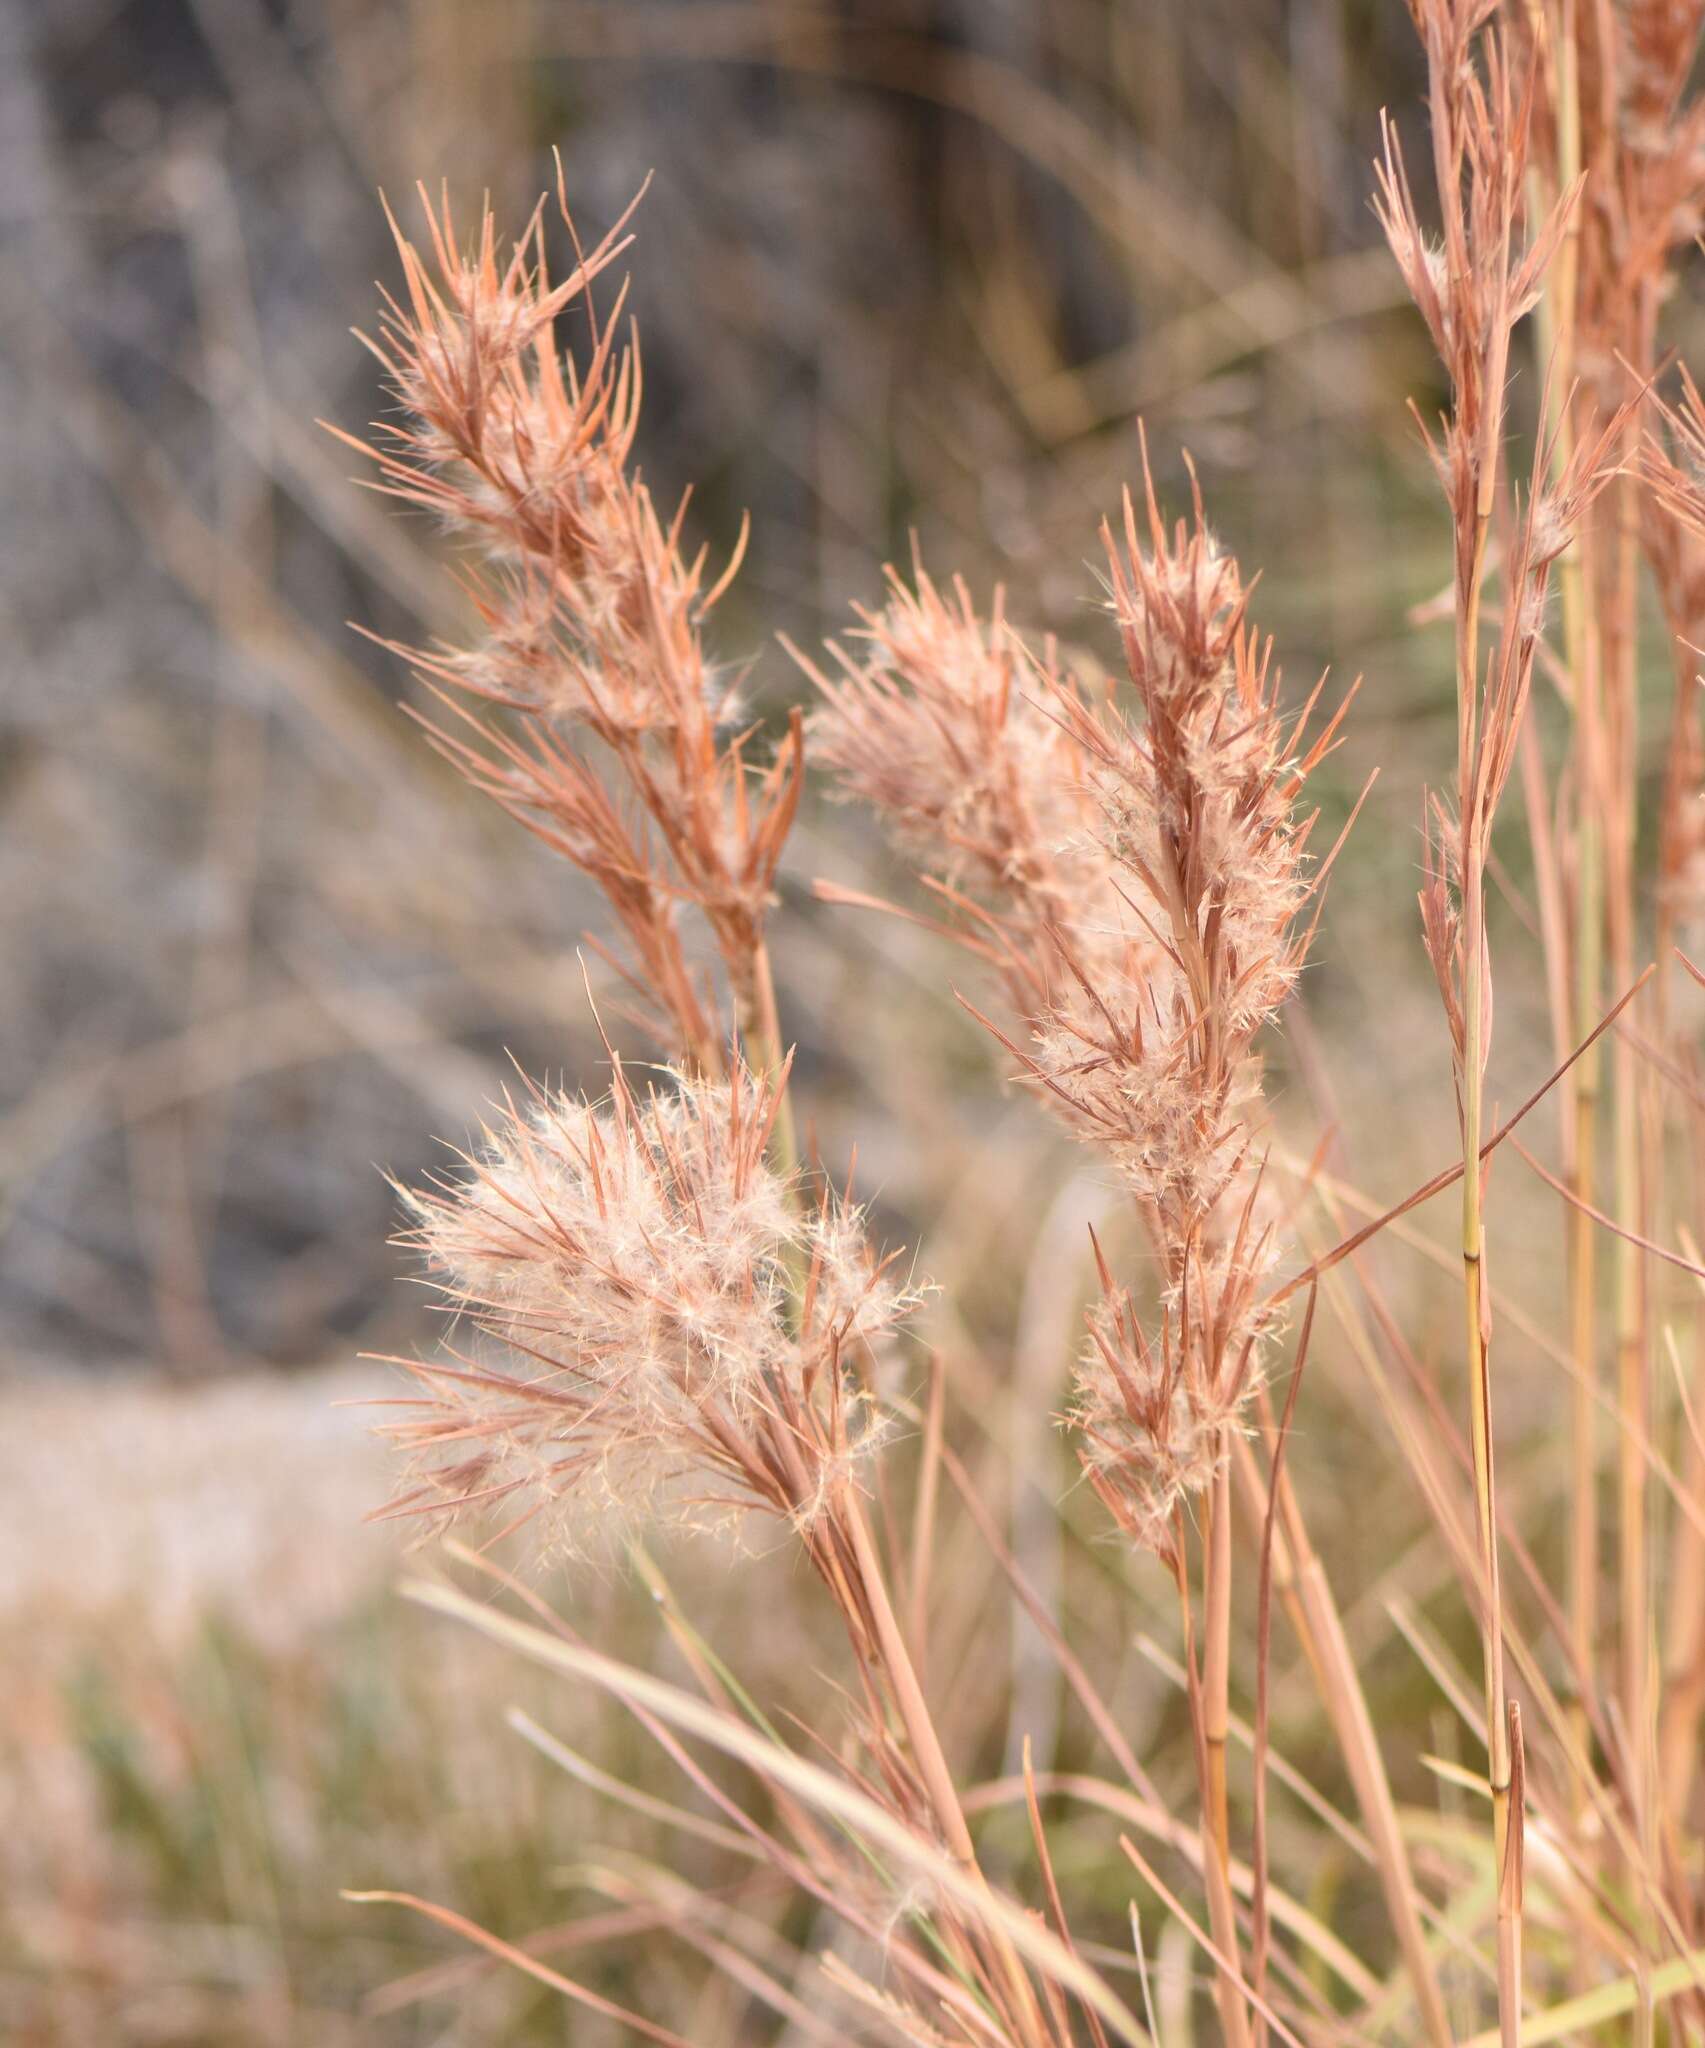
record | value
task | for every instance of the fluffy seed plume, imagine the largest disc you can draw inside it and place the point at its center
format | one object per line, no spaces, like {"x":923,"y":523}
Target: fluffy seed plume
{"x":1154,"y":1420}
{"x":934,"y":721}
{"x":951,"y":729}
{"x":1199,"y":825}
{"x":668,"y":1337}
{"x":1200,"y":820}
{"x":592,"y":612}
{"x":1140,"y":877}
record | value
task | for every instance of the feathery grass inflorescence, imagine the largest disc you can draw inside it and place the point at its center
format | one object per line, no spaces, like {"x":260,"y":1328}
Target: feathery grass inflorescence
{"x":593,"y":617}
{"x":1141,"y":878}
{"x":634,"y":1263}
{"x":943,"y":723}
{"x":1140,"y":882}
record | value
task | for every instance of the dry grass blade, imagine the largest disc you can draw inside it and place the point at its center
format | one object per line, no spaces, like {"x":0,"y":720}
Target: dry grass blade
{"x":519,"y":1959}
{"x":831,"y":1795}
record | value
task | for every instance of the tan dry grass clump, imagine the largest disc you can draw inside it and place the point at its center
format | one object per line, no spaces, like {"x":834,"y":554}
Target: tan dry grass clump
{"x":680,"y":1316}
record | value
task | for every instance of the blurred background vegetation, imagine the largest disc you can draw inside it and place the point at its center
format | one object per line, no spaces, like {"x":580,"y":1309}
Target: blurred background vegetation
{"x":904,"y":266}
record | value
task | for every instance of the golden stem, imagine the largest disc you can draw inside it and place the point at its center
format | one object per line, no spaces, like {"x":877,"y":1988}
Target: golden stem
{"x":1215,"y":1713}
{"x":925,"y":1744}
{"x":1307,"y":1595}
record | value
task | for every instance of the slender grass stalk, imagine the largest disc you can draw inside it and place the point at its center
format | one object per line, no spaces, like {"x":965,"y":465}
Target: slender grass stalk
{"x":1216,"y":1655}
{"x":927,"y":1752}
{"x":1207,"y":1678}
{"x":1557,"y":316}
{"x":1473,"y":292}
{"x":1619,"y":626}
{"x":1477,"y":1332}
{"x":1675,"y":534}
{"x":1583,"y":1238}
{"x":1475,"y":1005}
{"x":1633,"y":1396}
{"x":1216,"y":1710}
{"x":1300,"y":1577}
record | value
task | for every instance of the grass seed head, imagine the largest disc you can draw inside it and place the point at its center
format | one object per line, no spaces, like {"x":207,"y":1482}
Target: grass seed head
{"x":667,"y":1336}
